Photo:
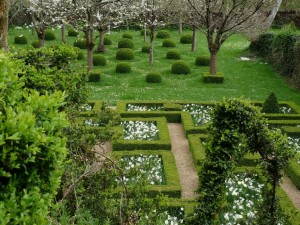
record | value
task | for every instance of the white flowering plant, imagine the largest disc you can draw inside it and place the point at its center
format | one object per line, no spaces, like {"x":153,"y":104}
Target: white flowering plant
{"x":144,"y":107}
{"x":140,"y":130}
{"x":200,"y":113}
{"x":284,"y":109}
{"x":85,"y":107}
{"x":295,"y":141}
{"x":164,"y":217}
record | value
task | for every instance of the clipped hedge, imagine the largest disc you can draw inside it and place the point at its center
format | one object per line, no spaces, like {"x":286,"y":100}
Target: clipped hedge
{"x":107,"y":40}
{"x":197,"y":149}
{"x":168,"y":43}
{"x":172,"y":107}
{"x":73,"y":33}
{"x":49,"y":35}
{"x":99,"y":60}
{"x":125,"y":54}
{"x":21,"y":40}
{"x":163,"y":34}
{"x":180,"y":67}
{"x":173,"y":54}
{"x":146,"y":48}
{"x":293,"y":170}
{"x":123,"y":68}
{"x":208,"y":78}
{"x":142,"y":32}
{"x":262,"y":46}
{"x":126,"y":43}
{"x":202,"y":61}
{"x":127,"y":35}
{"x":80,"y":43}
{"x":153,"y":77}
{"x":186,"y":39}
{"x":35,"y":44}
{"x":94,"y":77}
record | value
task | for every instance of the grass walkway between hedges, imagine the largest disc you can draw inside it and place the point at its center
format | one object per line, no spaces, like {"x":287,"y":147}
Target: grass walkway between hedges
{"x":253,"y":79}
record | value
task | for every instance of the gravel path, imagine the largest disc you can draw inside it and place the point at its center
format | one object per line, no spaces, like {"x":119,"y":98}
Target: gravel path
{"x":291,"y":190}
{"x":189,"y":180}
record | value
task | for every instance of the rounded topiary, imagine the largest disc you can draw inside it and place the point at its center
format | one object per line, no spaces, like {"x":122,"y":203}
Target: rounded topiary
{"x":153,"y":77}
{"x":173,"y":54}
{"x":127,"y":35}
{"x":80,"y":54}
{"x":80,"y":43}
{"x":180,"y":67}
{"x":99,"y":60}
{"x":125,"y":54}
{"x":186,"y":39}
{"x":73,"y":33}
{"x":168,"y":43}
{"x":94,"y":77}
{"x":125,"y":43}
{"x":49,"y":35}
{"x":21,"y":40}
{"x":163,"y":34}
{"x":123,"y":68}
{"x":107,"y":40}
{"x":146,"y":49}
{"x":35,"y":44}
{"x":202,"y":61}
{"x":147,"y":32}
{"x":271,"y":104}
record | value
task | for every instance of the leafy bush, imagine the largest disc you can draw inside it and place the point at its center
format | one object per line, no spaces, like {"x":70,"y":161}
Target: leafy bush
{"x":73,"y":33}
{"x":180,"y":67}
{"x":125,"y":54}
{"x":49,"y":35}
{"x":35,"y":44}
{"x":163,"y":34}
{"x":123,"y":68}
{"x":153,"y":77}
{"x":125,"y":43}
{"x":173,"y":54}
{"x":202,"y":61}
{"x":107,"y":40}
{"x":186,"y":39}
{"x":99,"y":60}
{"x":94,"y":76}
{"x":262,"y":46}
{"x":146,"y":48}
{"x":296,"y":73}
{"x":147,"y":32}
{"x":271,"y":104}
{"x":168,"y":43}
{"x":21,"y":40}
{"x":80,"y":43}
{"x":80,"y":54}
{"x":172,"y":107}
{"x":127,"y":35}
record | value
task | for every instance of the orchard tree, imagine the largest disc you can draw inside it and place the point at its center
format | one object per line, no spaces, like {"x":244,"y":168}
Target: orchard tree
{"x":223,"y":18}
{"x":62,"y":8}
{"x":4,"y":7}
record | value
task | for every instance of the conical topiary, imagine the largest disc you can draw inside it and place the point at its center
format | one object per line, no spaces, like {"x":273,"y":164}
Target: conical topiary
{"x":271,"y":104}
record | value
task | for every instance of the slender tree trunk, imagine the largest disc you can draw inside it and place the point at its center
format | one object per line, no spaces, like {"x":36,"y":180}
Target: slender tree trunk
{"x":90,"y":46}
{"x":41,"y":36}
{"x":180,"y":25}
{"x":63,"y":33}
{"x":4,"y":6}
{"x":101,"y":46}
{"x":145,"y":32}
{"x":213,"y":63}
{"x":194,"y":42}
{"x":151,"y":54}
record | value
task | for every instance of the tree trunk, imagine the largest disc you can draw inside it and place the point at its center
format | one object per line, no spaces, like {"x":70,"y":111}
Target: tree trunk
{"x":145,"y":32}
{"x":151,"y":54}
{"x":101,"y":46}
{"x":90,"y":46}
{"x":4,"y":6}
{"x":63,"y":33}
{"x":213,"y":63}
{"x":180,"y":25}
{"x":41,"y":36}
{"x":194,"y":42}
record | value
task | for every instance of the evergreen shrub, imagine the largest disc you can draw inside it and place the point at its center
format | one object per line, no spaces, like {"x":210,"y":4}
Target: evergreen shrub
{"x":107,"y":40}
{"x":186,"y":39}
{"x":125,"y":54}
{"x":168,"y":43}
{"x":262,"y":46}
{"x":127,"y":35}
{"x":180,"y":67}
{"x":202,"y":61}
{"x":35,"y":44}
{"x":94,"y":77}
{"x":73,"y":33}
{"x":147,"y":32}
{"x":49,"y":35}
{"x":153,"y":77}
{"x":146,"y":48}
{"x":271,"y":104}
{"x":99,"y":60}
{"x":163,"y":34}
{"x":123,"y":68}
{"x":80,"y":43}
{"x":21,"y":40}
{"x":173,"y":54}
{"x":125,"y":43}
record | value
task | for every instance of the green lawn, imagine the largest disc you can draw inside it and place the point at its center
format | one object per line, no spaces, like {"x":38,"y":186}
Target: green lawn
{"x":253,"y":79}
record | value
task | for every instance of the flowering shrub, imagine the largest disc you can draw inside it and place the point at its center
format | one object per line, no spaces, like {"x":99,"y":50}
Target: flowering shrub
{"x":164,"y":217}
{"x":295,"y":141}
{"x":139,"y":107}
{"x":199,"y":113}
{"x":85,"y":108}
{"x":140,"y":130}
{"x":286,"y":110}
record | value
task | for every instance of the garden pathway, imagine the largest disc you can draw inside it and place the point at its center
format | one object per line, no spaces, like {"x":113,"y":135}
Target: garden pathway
{"x":291,"y":190}
{"x":188,"y":176}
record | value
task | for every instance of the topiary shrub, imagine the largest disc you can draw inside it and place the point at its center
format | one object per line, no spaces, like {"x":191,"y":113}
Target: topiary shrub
{"x":216,"y":78}
{"x":35,"y":44}
{"x":123,"y":68}
{"x":73,"y":33}
{"x":271,"y":104}
{"x":146,"y":49}
{"x":107,"y":40}
{"x":49,"y":35}
{"x":186,"y":39}
{"x":99,"y":60}
{"x":168,"y":43}
{"x":172,"y":107}
{"x":80,"y":43}
{"x":125,"y":43}
{"x":21,"y":40}
{"x":262,"y":46}
{"x":80,"y":54}
{"x":125,"y":54}
{"x":94,"y":77}
{"x":127,"y":35}
{"x":163,"y":34}
{"x":147,"y":32}
{"x":202,"y":61}
{"x":180,"y":67}
{"x":173,"y":54}
{"x":153,"y":77}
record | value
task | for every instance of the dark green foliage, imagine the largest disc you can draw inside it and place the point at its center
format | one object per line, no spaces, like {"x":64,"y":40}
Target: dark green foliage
{"x":271,"y":104}
{"x":173,"y":54}
{"x":80,"y":55}
{"x":172,"y":107}
{"x":125,"y":43}
{"x":123,"y":68}
{"x":218,"y":78}
{"x":147,"y":32}
{"x":146,"y":48}
{"x":73,"y":33}
{"x":296,"y":73}
{"x":99,"y":60}
{"x":202,"y":61}
{"x":262,"y":46}
{"x":21,"y":40}
{"x":186,"y":39}
{"x":49,"y":35}
{"x":35,"y":44}
{"x":80,"y":43}
{"x":163,"y":34}
{"x":94,"y":76}
{"x":127,"y":35}
{"x":153,"y":77}
{"x":107,"y":40}
{"x":125,"y":54}
{"x":180,"y":67}
{"x":168,"y":43}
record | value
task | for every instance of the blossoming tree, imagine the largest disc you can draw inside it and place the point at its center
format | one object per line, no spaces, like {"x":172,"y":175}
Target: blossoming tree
{"x":4,"y":5}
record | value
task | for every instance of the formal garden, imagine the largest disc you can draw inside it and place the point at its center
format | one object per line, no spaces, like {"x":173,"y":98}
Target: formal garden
{"x":134,"y":125}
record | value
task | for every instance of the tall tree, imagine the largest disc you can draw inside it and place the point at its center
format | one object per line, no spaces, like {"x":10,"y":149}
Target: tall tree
{"x":223,"y":18}
{"x":4,"y":7}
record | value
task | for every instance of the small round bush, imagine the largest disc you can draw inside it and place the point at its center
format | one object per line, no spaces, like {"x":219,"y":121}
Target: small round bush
{"x":123,"y":68}
{"x":80,"y":43}
{"x":125,"y":54}
{"x":180,"y":67}
{"x":146,"y":49}
{"x":271,"y":104}
{"x":202,"y":61}
{"x":35,"y":44}
{"x":99,"y":60}
{"x":107,"y":40}
{"x":186,"y":39}
{"x":147,"y":32}
{"x":80,"y":54}
{"x":127,"y":35}
{"x":173,"y":54}
{"x":125,"y":43}
{"x":21,"y":40}
{"x":94,"y":77}
{"x":153,"y":77}
{"x":163,"y":34}
{"x":73,"y":33}
{"x":49,"y":35}
{"x":168,"y":43}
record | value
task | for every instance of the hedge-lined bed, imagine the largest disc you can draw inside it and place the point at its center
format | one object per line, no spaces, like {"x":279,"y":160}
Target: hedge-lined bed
{"x":293,"y":170}
{"x":91,"y":108}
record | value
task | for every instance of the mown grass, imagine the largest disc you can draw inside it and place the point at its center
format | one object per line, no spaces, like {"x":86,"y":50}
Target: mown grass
{"x":253,"y":79}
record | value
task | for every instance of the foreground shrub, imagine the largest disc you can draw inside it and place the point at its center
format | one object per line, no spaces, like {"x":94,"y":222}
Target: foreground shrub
{"x":146,"y":48}
{"x":180,"y":67}
{"x":125,"y":43}
{"x":127,"y":35}
{"x":262,"y":46}
{"x":99,"y":60}
{"x":173,"y":54}
{"x":80,"y":43}
{"x":94,"y":76}
{"x":73,"y":33}
{"x":49,"y":35}
{"x":186,"y":39}
{"x":271,"y":104}
{"x":123,"y":68}
{"x":168,"y":43}
{"x":153,"y":77}
{"x":202,"y":61}
{"x":21,"y":40}
{"x":125,"y":54}
{"x":80,"y":54}
{"x":107,"y":40}
{"x":163,"y":34}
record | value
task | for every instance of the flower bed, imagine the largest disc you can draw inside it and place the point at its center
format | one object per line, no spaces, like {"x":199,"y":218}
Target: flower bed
{"x":144,"y":107}
{"x":200,"y":113}
{"x":86,"y":107}
{"x":140,"y":130}
{"x":295,"y":141}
